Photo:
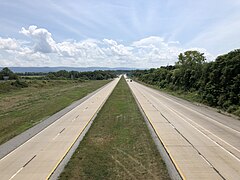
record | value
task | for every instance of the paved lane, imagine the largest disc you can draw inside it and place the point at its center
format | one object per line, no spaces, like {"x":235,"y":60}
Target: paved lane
{"x":38,"y":157}
{"x":203,"y":144}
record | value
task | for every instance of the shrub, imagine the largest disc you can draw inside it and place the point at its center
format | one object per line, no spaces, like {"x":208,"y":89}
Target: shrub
{"x":20,"y":84}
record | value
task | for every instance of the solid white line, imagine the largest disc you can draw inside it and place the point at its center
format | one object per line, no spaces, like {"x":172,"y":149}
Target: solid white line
{"x":209,"y":132}
{"x":16,"y":173}
{"x":44,"y":130}
{"x":211,"y":119}
{"x":197,"y":124}
{"x":107,"y":85}
{"x":175,"y":112}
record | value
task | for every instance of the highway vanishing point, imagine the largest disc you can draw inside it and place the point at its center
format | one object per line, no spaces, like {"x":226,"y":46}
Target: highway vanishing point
{"x":201,"y":143}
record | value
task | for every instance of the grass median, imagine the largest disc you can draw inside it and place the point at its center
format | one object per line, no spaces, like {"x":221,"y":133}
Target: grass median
{"x":118,"y":145}
{"x":22,"y":108}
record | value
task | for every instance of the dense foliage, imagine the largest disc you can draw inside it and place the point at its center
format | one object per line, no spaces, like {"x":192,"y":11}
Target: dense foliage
{"x":6,"y":72}
{"x":217,"y":83}
{"x":63,"y":74}
{"x":92,"y":75}
{"x":22,"y":80}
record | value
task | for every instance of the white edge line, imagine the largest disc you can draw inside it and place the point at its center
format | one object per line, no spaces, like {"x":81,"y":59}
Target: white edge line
{"x":50,"y":125}
{"x":16,"y":173}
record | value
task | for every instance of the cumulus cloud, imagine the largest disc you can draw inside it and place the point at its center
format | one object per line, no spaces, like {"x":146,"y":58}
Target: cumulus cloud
{"x":155,"y":50}
{"x":9,"y":44}
{"x":42,"y":50}
{"x":152,"y":41}
{"x":43,"y":41}
{"x":115,"y":49}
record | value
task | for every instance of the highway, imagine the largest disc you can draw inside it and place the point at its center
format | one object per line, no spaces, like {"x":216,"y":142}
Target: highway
{"x":38,"y":157}
{"x":201,"y":143}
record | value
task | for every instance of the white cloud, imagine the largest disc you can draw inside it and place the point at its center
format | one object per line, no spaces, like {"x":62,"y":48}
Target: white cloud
{"x":155,"y":50}
{"x":152,"y":41}
{"x":115,"y":49}
{"x":43,"y":41}
{"x":42,"y":50}
{"x":9,"y":44}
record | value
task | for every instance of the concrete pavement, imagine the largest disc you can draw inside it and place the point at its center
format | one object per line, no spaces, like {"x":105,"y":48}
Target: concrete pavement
{"x":39,"y":156}
{"x":201,"y":143}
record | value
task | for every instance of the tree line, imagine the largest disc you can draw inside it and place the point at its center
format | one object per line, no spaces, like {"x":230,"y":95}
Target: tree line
{"x":62,"y":74}
{"x":216,"y":83}
{"x":6,"y":73}
{"x":22,"y":80}
{"x":90,"y":75}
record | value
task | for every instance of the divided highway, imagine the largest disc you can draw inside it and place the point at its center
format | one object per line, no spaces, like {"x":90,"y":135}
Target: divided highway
{"x":201,"y":143}
{"x":39,"y":156}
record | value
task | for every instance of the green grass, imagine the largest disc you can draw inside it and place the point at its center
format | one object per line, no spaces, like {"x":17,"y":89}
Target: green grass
{"x":118,"y":145}
{"x":22,"y":108}
{"x":196,"y":98}
{"x":189,"y":96}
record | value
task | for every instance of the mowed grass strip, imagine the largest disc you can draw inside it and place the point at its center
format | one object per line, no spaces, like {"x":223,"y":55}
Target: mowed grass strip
{"x":23,"y":108}
{"x":118,"y":145}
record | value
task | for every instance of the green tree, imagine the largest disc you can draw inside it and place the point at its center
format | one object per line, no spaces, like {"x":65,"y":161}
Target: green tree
{"x":190,"y":66}
{"x":190,"y":58}
{"x":217,"y":83}
{"x":222,"y":80}
{"x":7,"y":72}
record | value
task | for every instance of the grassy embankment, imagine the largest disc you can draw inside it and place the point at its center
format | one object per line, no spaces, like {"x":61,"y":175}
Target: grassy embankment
{"x":22,"y":108}
{"x":191,"y":97}
{"x":118,"y":145}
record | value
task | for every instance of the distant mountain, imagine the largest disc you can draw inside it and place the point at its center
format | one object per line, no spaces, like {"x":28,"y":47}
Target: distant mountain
{"x":54,"y":69}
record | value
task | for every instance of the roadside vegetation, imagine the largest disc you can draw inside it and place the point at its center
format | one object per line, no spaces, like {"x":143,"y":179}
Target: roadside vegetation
{"x":215,"y":83}
{"x":26,"y":103}
{"x":7,"y":74}
{"x":64,"y":75}
{"x":118,"y":145}
{"x":12,"y":81}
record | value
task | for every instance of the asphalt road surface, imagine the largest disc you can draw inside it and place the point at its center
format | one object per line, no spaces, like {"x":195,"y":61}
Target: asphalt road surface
{"x":202,"y":143}
{"x":38,"y":157}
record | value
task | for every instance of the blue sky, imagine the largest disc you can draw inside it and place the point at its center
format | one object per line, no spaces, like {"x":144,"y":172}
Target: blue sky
{"x":126,"y":33}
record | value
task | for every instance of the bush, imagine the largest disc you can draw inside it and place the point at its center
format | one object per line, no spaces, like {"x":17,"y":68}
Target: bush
{"x":232,"y":109}
{"x":20,"y":84}
{"x":5,"y":87}
{"x":216,"y":83}
{"x":237,"y":112}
